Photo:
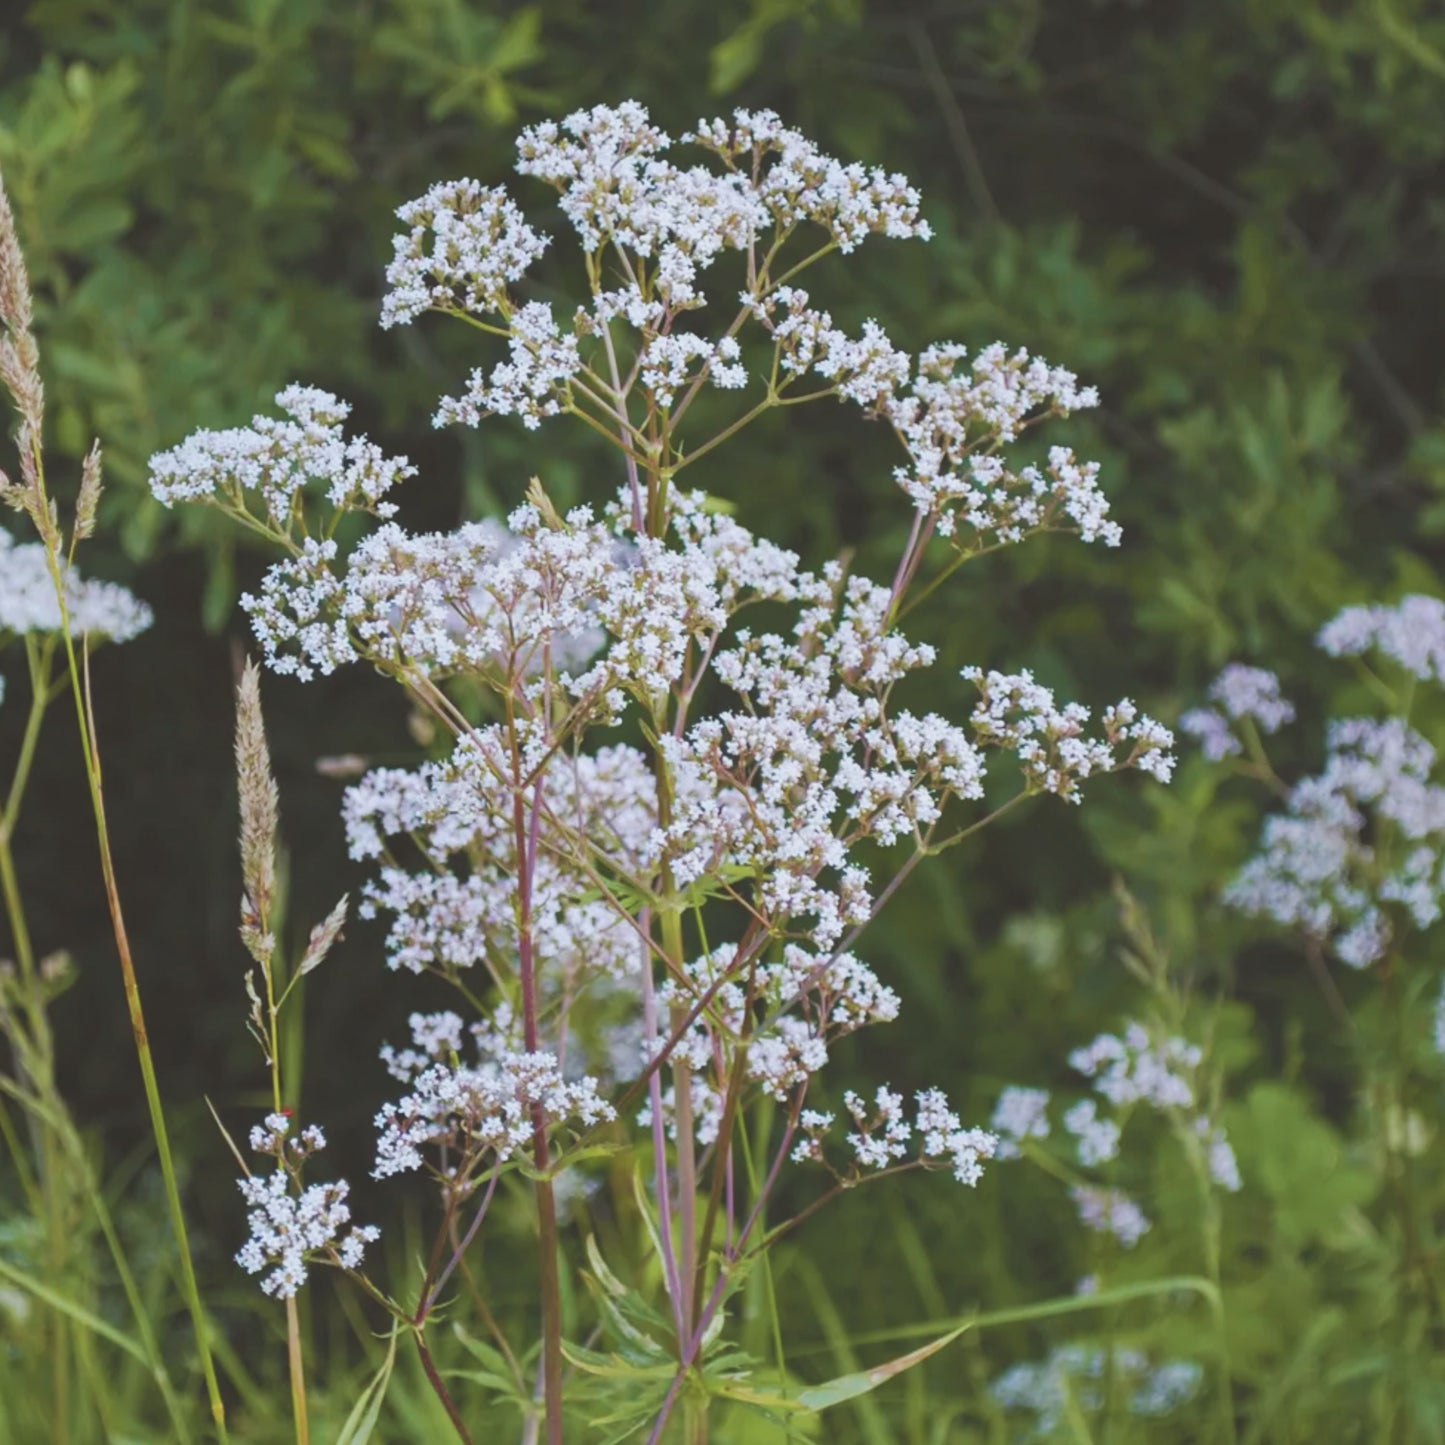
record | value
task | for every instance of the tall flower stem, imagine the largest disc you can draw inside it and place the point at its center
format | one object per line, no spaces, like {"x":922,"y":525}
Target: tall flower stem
{"x":525,"y":822}
{"x":80,"y":690}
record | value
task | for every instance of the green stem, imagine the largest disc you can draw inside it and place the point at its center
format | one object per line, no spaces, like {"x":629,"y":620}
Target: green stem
{"x":80,"y":691}
{"x":686,"y":1144}
{"x":39,"y":657}
{"x":767,"y":403}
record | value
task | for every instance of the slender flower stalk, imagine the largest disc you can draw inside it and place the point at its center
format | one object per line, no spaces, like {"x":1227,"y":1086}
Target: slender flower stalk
{"x":20,"y":374}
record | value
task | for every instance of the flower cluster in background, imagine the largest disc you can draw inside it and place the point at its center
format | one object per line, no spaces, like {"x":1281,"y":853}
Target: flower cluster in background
{"x":28,"y":602}
{"x":1138,"y":1068}
{"x":1074,"y":1379}
{"x":1358,"y":853}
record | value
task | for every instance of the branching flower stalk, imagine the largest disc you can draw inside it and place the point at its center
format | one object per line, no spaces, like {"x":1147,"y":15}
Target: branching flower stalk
{"x":661,"y":897}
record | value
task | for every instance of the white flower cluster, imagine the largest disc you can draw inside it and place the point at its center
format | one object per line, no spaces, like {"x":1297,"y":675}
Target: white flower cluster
{"x":28,"y":602}
{"x":434,"y":1038}
{"x":466,"y":245}
{"x":810,"y":764}
{"x":531,"y":385}
{"x":953,"y":421}
{"x":617,"y":187}
{"x":882,"y":1135}
{"x":291,"y":1230}
{"x":541,"y":596}
{"x":482,"y":1114}
{"x":945,"y":1138}
{"x":276,"y":459}
{"x":668,"y":362}
{"x":1017,"y":713}
{"x":547,"y":862}
{"x":1318,"y":870}
{"x":1075,"y":1378}
{"x":803,"y":184}
{"x":457,"y":812}
{"x":273,"y":1136}
{"x":866,"y":371}
{"x":809,"y":1001}
{"x":1240,"y":693}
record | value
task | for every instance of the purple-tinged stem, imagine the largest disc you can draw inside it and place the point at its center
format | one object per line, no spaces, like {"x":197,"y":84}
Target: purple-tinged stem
{"x":659,"y":1148}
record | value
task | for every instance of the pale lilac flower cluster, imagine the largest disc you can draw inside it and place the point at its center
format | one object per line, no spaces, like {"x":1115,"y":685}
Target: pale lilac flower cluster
{"x":481,"y":1115}
{"x":1020,"y":1114}
{"x":1318,"y":868}
{"x":28,"y":602}
{"x":1132,"y":1069}
{"x":1110,"y":1211}
{"x":1097,"y":1139}
{"x":1074,"y":1378}
{"x":1321,"y":866}
{"x":1219,"y":1157}
{"x":1159,"y":1073}
{"x":1411,"y":633}
{"x":1240,"y":693}
{"x":292,"y":1226}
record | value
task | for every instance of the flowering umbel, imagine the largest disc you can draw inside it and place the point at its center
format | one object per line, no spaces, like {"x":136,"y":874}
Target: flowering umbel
{"x":665,"y":915}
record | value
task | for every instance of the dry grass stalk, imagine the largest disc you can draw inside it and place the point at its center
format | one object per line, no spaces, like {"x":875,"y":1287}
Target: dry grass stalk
{"x":259,"y":817}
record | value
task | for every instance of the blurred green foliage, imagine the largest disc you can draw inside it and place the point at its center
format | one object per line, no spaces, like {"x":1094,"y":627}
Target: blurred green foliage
{"x":1227,"y":214}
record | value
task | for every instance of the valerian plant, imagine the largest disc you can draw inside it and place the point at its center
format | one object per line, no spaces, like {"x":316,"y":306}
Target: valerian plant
{"x":681,"y":781}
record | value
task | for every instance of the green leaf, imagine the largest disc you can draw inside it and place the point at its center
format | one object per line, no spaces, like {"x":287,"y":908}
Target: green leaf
{"x":849,"y":1387}
{"x":1299,"y":1162}
{"x":367,"y":1410}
